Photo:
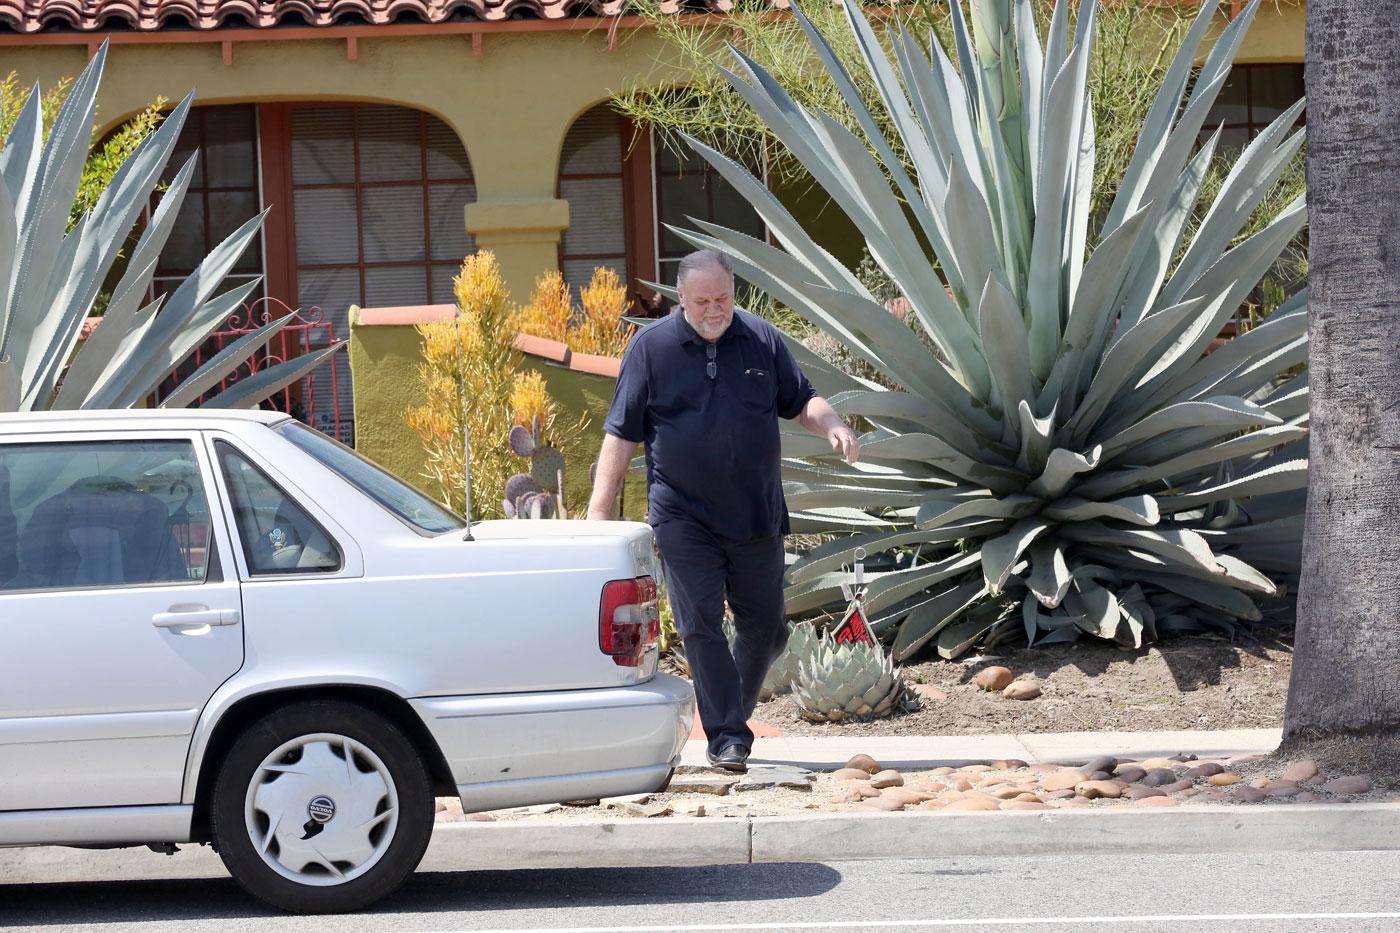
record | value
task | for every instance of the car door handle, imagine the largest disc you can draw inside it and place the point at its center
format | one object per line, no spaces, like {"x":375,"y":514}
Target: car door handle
{"x":189,"y":616}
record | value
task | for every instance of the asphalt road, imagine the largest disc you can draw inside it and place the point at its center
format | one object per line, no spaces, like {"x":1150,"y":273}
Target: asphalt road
{"x":1349,"y":891}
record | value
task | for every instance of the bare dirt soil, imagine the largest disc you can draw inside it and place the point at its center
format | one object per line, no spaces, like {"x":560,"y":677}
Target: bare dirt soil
{"x":1194,"y":682}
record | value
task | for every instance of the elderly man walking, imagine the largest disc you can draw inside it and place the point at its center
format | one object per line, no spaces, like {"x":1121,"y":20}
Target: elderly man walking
{"x":704,"y":389}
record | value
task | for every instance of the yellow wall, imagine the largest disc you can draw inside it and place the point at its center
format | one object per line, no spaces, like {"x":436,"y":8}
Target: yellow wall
{"x":384,"y":363}
{"x":384,"y":370}
{"x":1276,"y":35}
{"x":511,"y":107}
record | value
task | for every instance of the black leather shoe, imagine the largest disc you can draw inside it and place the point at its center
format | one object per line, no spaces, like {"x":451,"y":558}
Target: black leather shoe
{"x":731,"y":758}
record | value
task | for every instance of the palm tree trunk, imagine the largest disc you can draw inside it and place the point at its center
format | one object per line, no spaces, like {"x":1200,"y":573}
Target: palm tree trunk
{"x":1346,"y":672}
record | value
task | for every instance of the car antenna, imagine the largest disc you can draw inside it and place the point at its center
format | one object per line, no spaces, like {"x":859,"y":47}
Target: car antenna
{"x":466,"y":429}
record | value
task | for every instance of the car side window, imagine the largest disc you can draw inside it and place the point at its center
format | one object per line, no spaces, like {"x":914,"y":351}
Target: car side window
{"x":102,"y":514}
{"x":278,"y":536}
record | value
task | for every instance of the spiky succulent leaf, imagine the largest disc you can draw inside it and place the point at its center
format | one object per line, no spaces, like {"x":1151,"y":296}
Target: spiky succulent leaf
{"x":50,"y":276}
{"x":801,"y":643}
{"x":1072,"y":460}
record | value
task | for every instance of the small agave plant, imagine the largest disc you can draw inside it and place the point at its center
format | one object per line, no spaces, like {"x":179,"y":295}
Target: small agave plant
{"x":1067,"y":457}
{"x":801,"y":643}
{"x":50,"y":275}
{"x":856,"y":680}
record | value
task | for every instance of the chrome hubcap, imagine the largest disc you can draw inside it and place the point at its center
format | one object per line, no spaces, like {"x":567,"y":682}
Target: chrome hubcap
{"x":321,"y":809}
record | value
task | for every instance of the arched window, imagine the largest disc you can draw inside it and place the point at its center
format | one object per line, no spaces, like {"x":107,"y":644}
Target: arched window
{"x":621,"y":195}
{"x":592,"y":178}
{"x":379,"y":195}
{"x":367,"y":208}
{"x":1253,"y":96}
{"x":687,"y":186}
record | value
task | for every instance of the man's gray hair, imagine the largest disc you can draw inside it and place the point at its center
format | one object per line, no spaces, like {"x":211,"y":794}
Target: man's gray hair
{"x":701,"y":259}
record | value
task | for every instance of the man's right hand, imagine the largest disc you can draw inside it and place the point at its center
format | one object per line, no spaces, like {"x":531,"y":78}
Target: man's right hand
{"x":613,"y":461}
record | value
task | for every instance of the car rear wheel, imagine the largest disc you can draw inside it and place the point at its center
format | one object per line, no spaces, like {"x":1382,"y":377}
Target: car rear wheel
{"x":322,"y":807}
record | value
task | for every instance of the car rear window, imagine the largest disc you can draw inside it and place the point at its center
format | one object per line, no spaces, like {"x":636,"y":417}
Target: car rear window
{"x":406,"y":503}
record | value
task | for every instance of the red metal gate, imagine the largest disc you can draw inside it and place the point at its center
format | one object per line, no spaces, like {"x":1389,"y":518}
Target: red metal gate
{"x":320,"y":399}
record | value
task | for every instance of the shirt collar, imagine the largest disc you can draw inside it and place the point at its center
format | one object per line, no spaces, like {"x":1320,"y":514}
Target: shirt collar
{"x":688,"y":333}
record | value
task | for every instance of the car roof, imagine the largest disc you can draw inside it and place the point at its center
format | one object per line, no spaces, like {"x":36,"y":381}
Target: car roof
{"x":134,"y":419}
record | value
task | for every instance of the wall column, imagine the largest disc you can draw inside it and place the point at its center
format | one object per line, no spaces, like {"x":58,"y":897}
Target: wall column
{"x":523,"y":233}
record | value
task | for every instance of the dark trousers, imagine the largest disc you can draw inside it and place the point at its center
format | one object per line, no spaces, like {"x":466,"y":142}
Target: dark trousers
{"x":701,"y":571}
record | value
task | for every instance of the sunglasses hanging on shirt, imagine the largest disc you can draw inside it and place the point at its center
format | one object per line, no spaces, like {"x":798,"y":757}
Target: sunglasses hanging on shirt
{"x":710,"y":356}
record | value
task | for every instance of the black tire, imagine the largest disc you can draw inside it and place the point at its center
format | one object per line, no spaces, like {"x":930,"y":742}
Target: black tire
{"x":406,"y":769}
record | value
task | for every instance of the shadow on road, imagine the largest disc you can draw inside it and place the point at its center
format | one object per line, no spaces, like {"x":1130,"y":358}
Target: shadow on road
{"x":145,"y":901}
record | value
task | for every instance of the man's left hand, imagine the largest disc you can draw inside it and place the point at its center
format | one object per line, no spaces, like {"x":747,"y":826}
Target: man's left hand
{"x":844,"y":441}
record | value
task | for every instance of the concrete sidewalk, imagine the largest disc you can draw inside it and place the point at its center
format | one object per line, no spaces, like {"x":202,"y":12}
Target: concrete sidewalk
{"x":914,"y":752}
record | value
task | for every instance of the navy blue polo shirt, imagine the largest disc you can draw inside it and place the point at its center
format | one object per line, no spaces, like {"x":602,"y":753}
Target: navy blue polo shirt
{"x":712,"y":445}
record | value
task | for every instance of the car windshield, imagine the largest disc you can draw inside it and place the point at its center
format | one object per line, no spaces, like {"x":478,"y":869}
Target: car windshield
{"x":407,"y":503}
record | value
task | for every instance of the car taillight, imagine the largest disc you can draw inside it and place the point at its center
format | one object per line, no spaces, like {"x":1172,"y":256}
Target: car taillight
{"x":629,"y":622}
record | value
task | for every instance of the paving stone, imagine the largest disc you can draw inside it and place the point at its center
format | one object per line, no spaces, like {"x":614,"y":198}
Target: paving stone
{"x":974,"y":803}
{"x":766,"y":776}
{"x":1101,"y":763}
{"x":701,"y":784}
{"x":1348,"y":785}
{"x":993,"y":678}
{"x":1022,"y":690}
{"x":1062,"y":779}
{"x":930,"y":693}
{"x":1300,"y":771}
{"x":1156,"y":777}
{"x":1205,"y":769}
{"x":882,"y":803}
{"x":887,"y":778}
{"x":1096,"y":789}
{"x":1282,"y":789}
{"x":864,"y":763}
{"x":1141,"y":791}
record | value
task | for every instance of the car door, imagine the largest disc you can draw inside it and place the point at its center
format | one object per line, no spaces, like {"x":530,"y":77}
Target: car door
{"x":120,"y":615}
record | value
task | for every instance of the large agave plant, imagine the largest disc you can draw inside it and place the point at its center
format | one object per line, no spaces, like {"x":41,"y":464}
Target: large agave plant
{"x":50,"y":275}
{"x":1069,"y":457}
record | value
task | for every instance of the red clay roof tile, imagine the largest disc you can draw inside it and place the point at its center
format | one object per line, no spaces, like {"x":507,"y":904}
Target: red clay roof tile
{"x":32,"y":16}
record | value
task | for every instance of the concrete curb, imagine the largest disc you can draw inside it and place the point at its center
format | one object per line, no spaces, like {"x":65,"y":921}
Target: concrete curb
{"x":722,"y":840}
{"x":689,"y":841}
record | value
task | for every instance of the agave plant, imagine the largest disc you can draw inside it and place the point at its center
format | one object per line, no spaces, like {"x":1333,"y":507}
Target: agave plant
{"x":858,"y":680}
{"x":50,"y":275}
{"x":1068,"y":456}
{"x":801,"y":643}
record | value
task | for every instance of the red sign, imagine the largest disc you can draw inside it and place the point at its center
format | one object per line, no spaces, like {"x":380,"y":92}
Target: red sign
{"x":852,"y":628}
